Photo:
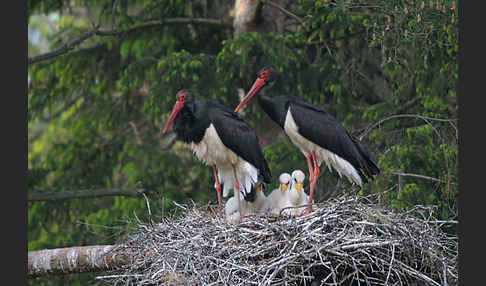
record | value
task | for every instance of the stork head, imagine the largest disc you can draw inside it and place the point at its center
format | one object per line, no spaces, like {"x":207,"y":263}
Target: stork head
{"x":259,"y":187}
{"x":181,"y":97}
{"x":284,"y":179}
{"x":298,"y":179}
{"x":265,"y":77}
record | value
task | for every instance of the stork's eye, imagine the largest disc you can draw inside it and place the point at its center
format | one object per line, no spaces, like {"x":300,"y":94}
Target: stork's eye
{"x":181,"y":97}
{"x":263,"y":74}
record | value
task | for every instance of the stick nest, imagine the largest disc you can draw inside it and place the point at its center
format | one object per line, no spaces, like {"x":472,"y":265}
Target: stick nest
{"x":345,"y":241}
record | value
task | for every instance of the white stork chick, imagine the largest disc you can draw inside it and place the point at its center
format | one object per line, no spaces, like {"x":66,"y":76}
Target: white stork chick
{"x":296,"y":196}
{"x":231,"y":209}
{"x":251,"y":203}
{"x":275,"y":199}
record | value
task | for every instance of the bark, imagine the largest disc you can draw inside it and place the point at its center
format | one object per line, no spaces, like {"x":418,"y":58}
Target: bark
{"x":262,"y":16}
{"x":83,"y":194}
{"x":80,"y":259}
{"x":245,"y":13}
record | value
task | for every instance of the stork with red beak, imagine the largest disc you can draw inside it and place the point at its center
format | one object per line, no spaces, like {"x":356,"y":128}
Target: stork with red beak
{"x":317,"y":134}
{"x":219,"y":138}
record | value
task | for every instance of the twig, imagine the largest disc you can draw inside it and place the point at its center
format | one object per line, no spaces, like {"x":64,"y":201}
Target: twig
{"x":114,"y":32}
{"x":422,"y":177}
{"x":285,"y":11}
{"x":148,"y":208}
{"x":117,"y":276}
{"x":214,"y":22}
{"x":81,"y":194}
{"x":338,"y":242}
{"x":64,"y":49}
{"x":425,"y":118}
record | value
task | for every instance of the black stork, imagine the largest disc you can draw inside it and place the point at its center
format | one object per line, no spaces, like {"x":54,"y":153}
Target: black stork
{"x":315,"y":132}
{"x":221,"y":139}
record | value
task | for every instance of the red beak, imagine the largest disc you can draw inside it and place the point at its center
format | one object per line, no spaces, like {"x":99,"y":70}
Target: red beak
{"x":257,"y":85}
{"x":177,"y":107}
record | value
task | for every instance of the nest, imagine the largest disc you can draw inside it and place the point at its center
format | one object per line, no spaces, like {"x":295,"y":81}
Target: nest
{"x":345,"y":241}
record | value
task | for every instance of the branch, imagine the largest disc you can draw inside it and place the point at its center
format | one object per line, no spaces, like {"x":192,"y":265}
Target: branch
{"x":422,"y":177}
{"x":80,"y":259}
{"x":425,"y":118}
{"x":326,"y":41}
{"x":285,"y":11}
{"x":113,"y":32}
{"x":66,"y":48}
{"x":84,"y":194}
{"x":214,"y":22}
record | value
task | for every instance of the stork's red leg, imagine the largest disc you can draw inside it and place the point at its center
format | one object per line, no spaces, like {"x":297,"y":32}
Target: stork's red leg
{"x":312,"y":184}
{"x":218,"y":189}
{"x":237,"y":187}
{"x":316,"y":167}
{"x":309,"y":164}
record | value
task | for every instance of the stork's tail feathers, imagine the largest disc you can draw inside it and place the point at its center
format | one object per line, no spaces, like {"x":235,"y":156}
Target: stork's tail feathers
{"x":247,"y":177}
{"x":251,"y":196}
{"x":265,"y":173}
{"x":367,"y":169}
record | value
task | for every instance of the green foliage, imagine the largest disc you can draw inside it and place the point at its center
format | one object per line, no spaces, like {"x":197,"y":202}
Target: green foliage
{"x":95,"y":114}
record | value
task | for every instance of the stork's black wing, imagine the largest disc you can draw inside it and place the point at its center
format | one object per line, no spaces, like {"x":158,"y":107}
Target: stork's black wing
{"x":324,"y":130}
{"x":238,"y":136}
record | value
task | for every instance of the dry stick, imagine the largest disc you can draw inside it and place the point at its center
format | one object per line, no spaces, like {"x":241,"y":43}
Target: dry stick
{"x":149,"y":211}
{"x":261,"y":250}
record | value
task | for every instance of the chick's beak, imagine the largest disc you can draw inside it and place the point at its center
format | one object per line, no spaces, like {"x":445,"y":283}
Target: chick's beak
{"x":298,"y":186}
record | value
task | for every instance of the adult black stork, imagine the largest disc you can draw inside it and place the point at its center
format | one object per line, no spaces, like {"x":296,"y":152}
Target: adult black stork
{"x":221,"y":139}
{"x":316,"y":133}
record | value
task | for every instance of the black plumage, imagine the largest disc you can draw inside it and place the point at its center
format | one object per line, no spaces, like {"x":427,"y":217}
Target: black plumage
{"x":318,"y":135}
{"x":196,"y":116}
{"x":314,"y":124}
{"x":231,"y":136}
{"x":323,"y":129}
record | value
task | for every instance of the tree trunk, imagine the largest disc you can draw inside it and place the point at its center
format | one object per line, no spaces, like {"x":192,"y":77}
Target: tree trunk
{"x":245,"y":12}
{"x":80,"y":259}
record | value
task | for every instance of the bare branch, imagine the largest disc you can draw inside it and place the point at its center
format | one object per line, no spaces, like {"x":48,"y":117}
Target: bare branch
{"x":64,"y":49}
{"x":213,"y":22}
{"x":82,"y":194}
{"x":425,"y":118}
{"x":422,"y":177}
{"x":81,"y":259}
{"x":285,"y":11}
{"x":113,"y":32}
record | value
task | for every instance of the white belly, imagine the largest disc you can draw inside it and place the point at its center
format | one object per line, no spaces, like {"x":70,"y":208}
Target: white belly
{"x":322,"y":155}
{"x":211,"y":151}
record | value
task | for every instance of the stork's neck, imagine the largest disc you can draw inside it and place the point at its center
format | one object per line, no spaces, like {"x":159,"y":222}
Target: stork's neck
{"x":294,"y":196}
{"x":191,"y":123}
{"x":274,"y":107}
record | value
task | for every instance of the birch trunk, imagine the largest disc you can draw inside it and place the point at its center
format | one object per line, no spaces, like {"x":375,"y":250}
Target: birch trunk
{"x":80,"y":259}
